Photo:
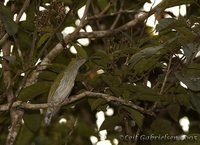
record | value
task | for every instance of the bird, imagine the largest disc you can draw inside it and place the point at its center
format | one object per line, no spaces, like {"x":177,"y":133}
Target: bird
{"x":62,"y":87}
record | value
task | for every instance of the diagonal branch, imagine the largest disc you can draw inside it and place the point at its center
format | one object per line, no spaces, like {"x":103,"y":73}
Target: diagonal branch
{"x":99,"y":34}
{"x":72,"y":99}
{"x":57,"y":49}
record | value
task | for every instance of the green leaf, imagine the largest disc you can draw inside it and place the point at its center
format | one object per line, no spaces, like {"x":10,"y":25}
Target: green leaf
{"x":171,"y":3}
{"x":174,"y":110}
{"x":135,"y":115}
{"x":104,"y":58}
{"x":164,"y":23}
{"x":56,"y":67}
{"x":32,"y":119}
{"x":182,"y":99}
{"x":192,"y":83}
{"x":47,"y":29}
{"x":161,"y":126}
{"x":127,"y":94}
{"x":110,"y":123}
{"x":147,"y":52}
{"x":113,"y":82}
{"x":146,"y":64}
{"x":195,"y":99}
{"x":34,"y":90}
{"x":187,"y":36}
{"x":43,"y":39}
{"x":103,"y":4}
{"x":78,"y":4}
{"x":24,"y":39}
{"x":140,"y":92}
{"x":32,"y":123}
{"x":84,"y":129}
{"x":190,"y":50}
{"x":193,"y":69}
{"x":47,"y":75}
{"x":95,"y":103}
{"x":7,"y":19}
{"x":27,"y":25}
{"x":80,"y":50}
{"x":25,"y":136}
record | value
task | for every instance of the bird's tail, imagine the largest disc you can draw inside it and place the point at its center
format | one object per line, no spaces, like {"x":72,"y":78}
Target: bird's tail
{"x":48,"y":116}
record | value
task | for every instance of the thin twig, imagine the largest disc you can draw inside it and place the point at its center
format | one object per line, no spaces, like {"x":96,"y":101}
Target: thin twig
{"x":164,"y":81}
{"x":19,"y":51}
{"x":23,"y":9}
{"x":95,"y":10}
{"x":99,"y":16}
{"x":166,"y":76}
{"x":71,"y":131}
{"x":118,"y":16}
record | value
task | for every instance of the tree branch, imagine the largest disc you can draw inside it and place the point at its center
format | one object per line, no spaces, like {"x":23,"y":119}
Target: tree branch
{"x":16,"y":115}
{"x":57,"y":49}
{"x":23,"y":9}
{"x":99,"y":16}
{"x":105,"y":33}
{"x":76,"y":34}
{"x":72,"y":99}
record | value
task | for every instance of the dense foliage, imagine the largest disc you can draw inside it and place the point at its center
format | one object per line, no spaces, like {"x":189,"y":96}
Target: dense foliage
{"x":123,"y":56}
